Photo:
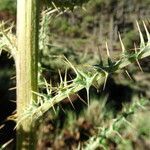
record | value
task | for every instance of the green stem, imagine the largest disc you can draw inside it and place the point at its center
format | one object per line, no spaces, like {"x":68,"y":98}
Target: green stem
{"x":26,"y":68}
{"x":75,"y":87}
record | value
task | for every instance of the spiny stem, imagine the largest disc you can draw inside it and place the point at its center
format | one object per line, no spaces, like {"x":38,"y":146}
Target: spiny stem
{"x":96,"y":75}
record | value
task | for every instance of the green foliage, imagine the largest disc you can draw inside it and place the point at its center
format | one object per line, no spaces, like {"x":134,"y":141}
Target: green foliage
{"x":100,"y":127}
{"x":67,"y":3}
{"x":51,"y":52}
{"x":130,"y":38}
{"x":112,"y":133}
{"x":9,"y":5}
{"x":89,"y":26}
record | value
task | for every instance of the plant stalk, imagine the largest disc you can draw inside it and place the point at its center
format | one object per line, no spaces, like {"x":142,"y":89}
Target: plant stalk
{"x":26,"y":68}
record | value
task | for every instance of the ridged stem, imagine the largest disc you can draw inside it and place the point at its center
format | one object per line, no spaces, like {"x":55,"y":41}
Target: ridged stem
{"x":26,"y":68}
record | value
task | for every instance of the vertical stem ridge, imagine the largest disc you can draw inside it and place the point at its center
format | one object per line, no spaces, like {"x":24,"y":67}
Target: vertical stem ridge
{"x":26,"y":68}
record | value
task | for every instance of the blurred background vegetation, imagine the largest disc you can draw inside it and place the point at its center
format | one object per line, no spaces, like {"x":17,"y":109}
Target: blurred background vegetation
{"x":77,"y":35}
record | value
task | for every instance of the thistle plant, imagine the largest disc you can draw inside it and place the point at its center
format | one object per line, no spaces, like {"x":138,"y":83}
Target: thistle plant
{"x":105,"y":133}
{"x":86,"y":76}
{"x":31,"y":104}
{"x":26,"y":61}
